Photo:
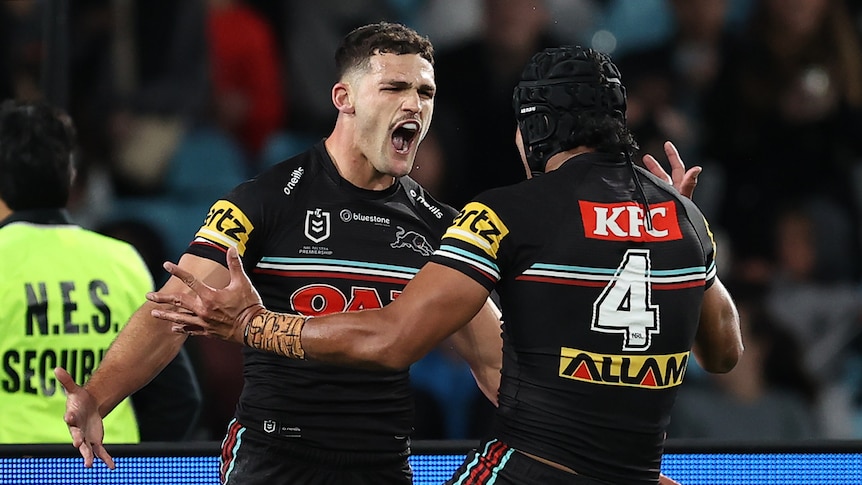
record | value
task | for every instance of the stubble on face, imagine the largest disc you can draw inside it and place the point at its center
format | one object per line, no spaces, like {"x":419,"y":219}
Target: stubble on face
{"x":394,"y":95}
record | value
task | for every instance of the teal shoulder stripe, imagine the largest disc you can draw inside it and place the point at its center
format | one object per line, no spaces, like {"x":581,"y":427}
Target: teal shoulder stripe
{"x":611,"y":271}
{"x":340,"y":262}
{"x":471,"y":256}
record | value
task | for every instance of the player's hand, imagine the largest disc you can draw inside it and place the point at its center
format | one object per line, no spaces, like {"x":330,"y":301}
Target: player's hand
{"x":84,"y":422}
{"x":684,"y":181}
{"x":665,"y":480}
{"x":222,"y":314}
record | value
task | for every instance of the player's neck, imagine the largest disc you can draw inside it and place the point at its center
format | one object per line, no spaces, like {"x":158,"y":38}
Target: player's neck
{"x":353,"y":166}
{"x":557,"y":159}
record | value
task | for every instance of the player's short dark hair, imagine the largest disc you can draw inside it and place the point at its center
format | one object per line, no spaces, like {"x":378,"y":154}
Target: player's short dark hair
{"x":36,"y":145}
{"x":362,"y":43}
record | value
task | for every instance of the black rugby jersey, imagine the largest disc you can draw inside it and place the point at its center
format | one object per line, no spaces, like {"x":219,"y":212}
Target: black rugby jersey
{"x":314,"y":244}
{"x":599,"y":312}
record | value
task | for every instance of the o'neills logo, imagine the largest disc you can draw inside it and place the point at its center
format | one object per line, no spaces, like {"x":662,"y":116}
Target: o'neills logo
{"x":645,"y":371}
{"x":438,"y":213}
{"x":294,"y":179}
{"x":624,"y":221}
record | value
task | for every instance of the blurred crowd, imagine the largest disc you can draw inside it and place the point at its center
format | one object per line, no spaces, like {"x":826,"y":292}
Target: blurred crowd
{"x":177,"y":101}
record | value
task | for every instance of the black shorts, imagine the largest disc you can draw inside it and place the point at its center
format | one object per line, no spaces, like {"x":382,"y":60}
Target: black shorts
{"x":249,"y":457}
{"x":495,"y":462}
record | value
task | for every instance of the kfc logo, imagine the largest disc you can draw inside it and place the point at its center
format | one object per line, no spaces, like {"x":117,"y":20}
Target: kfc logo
{"x":624,"y":221}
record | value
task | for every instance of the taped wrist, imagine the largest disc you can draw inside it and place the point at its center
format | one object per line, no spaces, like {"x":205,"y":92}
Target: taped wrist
{"x":276,"y":332}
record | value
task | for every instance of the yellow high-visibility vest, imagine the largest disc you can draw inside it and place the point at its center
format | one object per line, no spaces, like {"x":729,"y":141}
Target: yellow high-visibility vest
{"x":65,"y":293}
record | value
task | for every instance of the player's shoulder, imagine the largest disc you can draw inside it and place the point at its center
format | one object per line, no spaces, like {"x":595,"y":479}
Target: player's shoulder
{"x":690,"y":211}
{"x":424,"y":201}
{"x":507,"y":199}
{"x":283,"y":178}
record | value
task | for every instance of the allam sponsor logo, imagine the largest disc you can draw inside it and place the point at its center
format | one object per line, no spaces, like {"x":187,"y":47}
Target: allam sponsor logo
{"x":644,"y":371}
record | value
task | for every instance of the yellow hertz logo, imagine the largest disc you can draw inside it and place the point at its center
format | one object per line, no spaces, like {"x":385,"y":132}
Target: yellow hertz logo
{"x":711,"y":237}
{"x":646,"y":371}
{"x":478,"y":225}
{"x":226,"y":225}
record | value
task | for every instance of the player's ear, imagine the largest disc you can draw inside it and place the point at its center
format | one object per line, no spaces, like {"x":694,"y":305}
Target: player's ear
{"x":342,"y":98}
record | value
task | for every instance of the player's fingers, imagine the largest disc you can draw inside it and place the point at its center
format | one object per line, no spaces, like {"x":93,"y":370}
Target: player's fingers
{"x":185,"y":319}
{"x":689,"y":181}
{"x":655,"y":168}
{"x":159,"y":297}
{"x":677,"y":166}
{"x":182,"y":302}
{"x":234,"y":265}
{"x":65,"y":379}
{"x":87,"y":452}
{"x":234,"y":262}
{"x":186,"y":277}
{"x":103,"y":454}
{"x":76,"y":432}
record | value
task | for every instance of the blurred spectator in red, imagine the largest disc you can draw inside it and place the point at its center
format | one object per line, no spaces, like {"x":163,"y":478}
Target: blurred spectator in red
{"x":784,"y":120}
{"x":245,"y":67}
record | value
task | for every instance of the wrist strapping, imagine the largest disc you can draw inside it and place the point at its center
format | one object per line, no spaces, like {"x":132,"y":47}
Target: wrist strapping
{"x":276,"y":332}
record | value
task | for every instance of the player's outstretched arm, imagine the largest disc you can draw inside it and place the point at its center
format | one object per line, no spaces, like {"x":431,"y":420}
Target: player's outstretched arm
{"x":140,"y":351}
{"x":684,"y":181}
{"x":206,"y":311}
{"x":437,"y":302}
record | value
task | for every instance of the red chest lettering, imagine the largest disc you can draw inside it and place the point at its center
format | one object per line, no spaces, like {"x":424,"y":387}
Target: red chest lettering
{"x":320,"y":299}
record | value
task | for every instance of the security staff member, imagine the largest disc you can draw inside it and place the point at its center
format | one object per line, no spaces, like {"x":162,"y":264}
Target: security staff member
{"x":65,"y":291}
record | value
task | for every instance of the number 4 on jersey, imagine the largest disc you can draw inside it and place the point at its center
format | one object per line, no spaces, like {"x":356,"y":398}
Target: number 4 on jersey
{"x":625,"y":305}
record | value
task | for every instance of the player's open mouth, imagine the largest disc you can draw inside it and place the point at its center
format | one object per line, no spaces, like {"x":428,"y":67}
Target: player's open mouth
{"x":403,"y":136}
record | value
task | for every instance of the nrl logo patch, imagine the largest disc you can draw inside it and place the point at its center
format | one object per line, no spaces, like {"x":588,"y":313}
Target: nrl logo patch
{"x":269,"y":426}
{"x":316,"y":225}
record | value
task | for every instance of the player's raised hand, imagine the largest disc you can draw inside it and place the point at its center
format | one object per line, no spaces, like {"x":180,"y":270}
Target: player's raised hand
{"x":684,"y":181}
{"x":215,"y":313}
{"x":84,"y":421}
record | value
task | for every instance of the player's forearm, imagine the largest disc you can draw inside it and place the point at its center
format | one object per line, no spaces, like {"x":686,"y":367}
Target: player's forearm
{"x":480,"y":344}
{"x":718,"y":343}
{"x":278,"y":333}
{"x":356,"y":338}
{"x":140,"y":351}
